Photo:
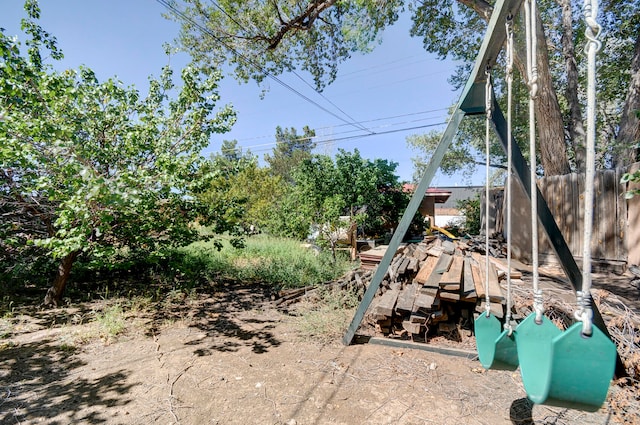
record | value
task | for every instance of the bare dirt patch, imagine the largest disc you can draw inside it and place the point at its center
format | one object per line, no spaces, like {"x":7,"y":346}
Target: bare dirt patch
{"x":230,"y":358}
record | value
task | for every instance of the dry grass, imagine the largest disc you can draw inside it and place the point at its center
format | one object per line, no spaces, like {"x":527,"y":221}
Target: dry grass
{"x":326,"y":318}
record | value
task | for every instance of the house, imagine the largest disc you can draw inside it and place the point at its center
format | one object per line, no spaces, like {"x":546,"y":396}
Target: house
{"x":447,"y":213}
{"x":441,"y":203}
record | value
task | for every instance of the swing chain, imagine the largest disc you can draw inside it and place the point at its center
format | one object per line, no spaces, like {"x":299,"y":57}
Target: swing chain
{"x":532,"y":48}
{"x":488,"y":100}
{"x":592,"y":30}
{"x":583,"y":297}
{"x":584,"y":313}
{"x":538,"y":304}
{"x":489,"y":111}
{"x":509,"y":79}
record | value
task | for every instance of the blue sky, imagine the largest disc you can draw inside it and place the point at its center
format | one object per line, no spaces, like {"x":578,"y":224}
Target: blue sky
{"x":399,"y":79}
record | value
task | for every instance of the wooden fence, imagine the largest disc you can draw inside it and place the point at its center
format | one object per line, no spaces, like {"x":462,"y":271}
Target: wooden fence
{"x":616,"y":227}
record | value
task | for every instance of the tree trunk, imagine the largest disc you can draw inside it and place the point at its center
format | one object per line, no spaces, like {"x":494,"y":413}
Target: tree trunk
{"x":577,"y":134}
{"x":549,"y":122}
{"x":54,"y":294}
{"x":550,"y":126}
{"x":629,"y":133}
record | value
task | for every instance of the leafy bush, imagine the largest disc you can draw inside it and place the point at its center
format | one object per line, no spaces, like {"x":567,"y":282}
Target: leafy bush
{"x":470,"y":208}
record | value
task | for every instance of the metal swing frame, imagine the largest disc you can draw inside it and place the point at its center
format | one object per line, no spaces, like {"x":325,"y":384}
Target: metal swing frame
{"x":472,"y":102}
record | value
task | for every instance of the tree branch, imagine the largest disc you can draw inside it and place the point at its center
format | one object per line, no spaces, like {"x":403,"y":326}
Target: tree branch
{"x":481,"y":7}
{"x":304,"y":21}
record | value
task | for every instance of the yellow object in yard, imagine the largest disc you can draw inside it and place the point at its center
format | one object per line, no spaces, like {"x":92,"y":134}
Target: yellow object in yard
{"x":444,"y":232}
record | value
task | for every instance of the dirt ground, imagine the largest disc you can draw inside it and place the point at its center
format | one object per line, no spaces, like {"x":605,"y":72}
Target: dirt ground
{"x":231,"y":358}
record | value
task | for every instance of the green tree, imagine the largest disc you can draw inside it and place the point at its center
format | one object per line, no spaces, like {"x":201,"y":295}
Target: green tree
{"x":261,"y":38}
{"x":291,"y":149}
{"x":104,"y":170}
{"x":470,"y":208}
{"x":368,"y":192}
{"x":231,"y":159}
{"x":239,"y":194}
{"x":372,"y":187}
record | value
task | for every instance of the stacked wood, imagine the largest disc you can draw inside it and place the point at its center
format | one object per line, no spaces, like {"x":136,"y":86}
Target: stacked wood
{"x":430,"y":287}
{"x":497,"y":245}
{"x":433,"y":286}
{"x":370,"y":259}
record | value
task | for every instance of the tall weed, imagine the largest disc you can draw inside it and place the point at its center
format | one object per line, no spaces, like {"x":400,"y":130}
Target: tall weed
{"x":276,"y":262}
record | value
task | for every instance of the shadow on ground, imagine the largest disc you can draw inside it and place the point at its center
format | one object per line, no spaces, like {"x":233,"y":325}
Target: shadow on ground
{"x":40,"y":381}
{"x":230,"y":317}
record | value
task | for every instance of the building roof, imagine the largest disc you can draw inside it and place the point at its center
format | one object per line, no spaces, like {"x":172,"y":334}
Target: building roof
{"x":460,"y":193}
{"x":440,"y":196}
{"x":448,"y":196}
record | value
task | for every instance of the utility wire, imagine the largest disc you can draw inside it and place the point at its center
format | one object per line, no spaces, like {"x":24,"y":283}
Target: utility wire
{"x":360,"y":122}
{"x":168,"y":5}
{"x":263,"y":147}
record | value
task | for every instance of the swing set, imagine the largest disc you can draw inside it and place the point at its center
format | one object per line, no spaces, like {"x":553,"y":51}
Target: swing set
{"x":571,"y":368}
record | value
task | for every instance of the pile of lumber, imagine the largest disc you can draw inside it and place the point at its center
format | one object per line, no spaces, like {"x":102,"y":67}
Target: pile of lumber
{"x":370,"y":259}
{"x":431,"y":287}
{"x":434,"y":287}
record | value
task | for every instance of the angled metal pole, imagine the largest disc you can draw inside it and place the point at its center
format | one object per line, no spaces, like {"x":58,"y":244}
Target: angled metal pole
{"x":471,"y":101}
{"x":401,"y":230}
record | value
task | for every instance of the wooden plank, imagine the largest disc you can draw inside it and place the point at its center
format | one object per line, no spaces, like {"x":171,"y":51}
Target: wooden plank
{"x":449,"y":296}
{"x":424,"y":301}
{"x":495,"y":291}
{"x":448,"y":247}
{"x":477,"y":279}
{"x":608,"y":209}
{"x":426,"y":269}
{"x":621,"y":220}
{"x":433,"y":281}
{"x":402,"y":269}
{"x":599,"y":222}
{"x":501,"y":265}
{"x":406,"y":298}
{"x":478,"y":270}
{"x":418,"y":317}
{"x":454,"y":274}
{"x":413,"y":265}
{"x":386,"y":303}
{"x":434,"y":251}
{"x":412,"y":328}
{"x":450,"y":287}
{"x":444,"y":262}
{"x":421,"y":253}
{"x":468,"y":288}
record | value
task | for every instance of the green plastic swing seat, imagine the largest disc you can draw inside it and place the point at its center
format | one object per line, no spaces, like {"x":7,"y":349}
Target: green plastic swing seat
{"x":496,"y":348}
{"x":534,"y":351}
{"x":565,"y":369}
{"x":581,"y":369}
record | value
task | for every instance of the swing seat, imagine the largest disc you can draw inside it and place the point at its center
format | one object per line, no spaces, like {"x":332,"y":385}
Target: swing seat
{"x":496,"y":348}
{"x":565,"y":369}
{"x":581,"y":369}
{"x":534,"y":351}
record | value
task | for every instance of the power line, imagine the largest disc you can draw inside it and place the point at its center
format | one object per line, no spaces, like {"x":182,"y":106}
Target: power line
{"x":263,"y":147}
{"x":334,"y":105}
{"x":332,"y":126}
{"x":179,"y":13}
